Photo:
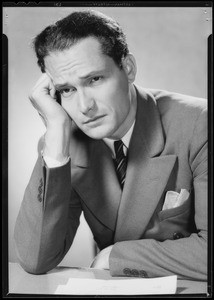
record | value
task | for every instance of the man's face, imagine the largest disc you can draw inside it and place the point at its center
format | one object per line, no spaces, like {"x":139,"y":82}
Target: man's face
{"x":95,"y":92}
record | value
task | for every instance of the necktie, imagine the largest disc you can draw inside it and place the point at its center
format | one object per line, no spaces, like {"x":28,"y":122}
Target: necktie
{"x":120,"y":162}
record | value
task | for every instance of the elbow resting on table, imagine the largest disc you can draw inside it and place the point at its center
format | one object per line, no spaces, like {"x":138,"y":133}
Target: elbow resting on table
{"x":36,"y":268}
{"x":35,"y":265}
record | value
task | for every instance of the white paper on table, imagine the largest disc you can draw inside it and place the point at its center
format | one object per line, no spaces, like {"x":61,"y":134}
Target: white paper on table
{"x":139,"y":286}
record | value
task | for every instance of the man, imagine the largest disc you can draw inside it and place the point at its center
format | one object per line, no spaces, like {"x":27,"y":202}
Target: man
{"x":145,"y":200}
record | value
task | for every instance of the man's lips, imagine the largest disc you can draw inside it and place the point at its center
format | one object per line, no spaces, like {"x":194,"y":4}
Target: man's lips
{"x":93,"y":119}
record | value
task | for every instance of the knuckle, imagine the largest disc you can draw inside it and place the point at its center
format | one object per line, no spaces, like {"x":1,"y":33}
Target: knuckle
{"x":33,"y":96}
{"x":32,"y":99}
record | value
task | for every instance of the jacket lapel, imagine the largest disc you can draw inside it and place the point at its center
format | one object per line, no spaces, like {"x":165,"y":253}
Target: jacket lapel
{"x":147,"y":175}
{"x":94,"y":179}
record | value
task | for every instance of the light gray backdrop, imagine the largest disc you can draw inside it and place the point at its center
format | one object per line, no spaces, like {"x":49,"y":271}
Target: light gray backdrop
{"x":170,"y":47}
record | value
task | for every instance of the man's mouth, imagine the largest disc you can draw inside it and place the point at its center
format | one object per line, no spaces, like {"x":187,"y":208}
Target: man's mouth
{"x":94,"y":119}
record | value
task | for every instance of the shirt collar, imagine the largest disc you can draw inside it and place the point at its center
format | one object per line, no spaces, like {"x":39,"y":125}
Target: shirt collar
{"x":125,"y":139}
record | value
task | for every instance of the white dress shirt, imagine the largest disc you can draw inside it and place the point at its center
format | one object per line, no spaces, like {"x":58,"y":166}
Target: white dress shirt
{"x":125,"y":139}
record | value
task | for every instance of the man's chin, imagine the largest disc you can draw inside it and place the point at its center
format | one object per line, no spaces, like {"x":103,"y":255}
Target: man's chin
{"x":97,"y":133}
{"x":96,"y":136}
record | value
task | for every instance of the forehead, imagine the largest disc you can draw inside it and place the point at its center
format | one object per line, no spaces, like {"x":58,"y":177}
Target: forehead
{"x":84,"y":56}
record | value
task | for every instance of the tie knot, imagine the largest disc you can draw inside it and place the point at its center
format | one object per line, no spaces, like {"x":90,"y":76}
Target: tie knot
{"x":118,"y":147}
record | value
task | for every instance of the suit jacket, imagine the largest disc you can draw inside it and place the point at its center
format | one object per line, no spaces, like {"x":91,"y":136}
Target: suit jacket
{"x":167,"y":152}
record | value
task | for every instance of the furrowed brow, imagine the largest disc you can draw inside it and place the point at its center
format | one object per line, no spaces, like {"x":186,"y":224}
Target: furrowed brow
{"x":91,"y":74}
{"x":61,"y":86}
{"x":83,"y":77}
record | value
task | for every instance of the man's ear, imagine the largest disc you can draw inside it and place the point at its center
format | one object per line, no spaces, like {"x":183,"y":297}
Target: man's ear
{"x":129,"y":66}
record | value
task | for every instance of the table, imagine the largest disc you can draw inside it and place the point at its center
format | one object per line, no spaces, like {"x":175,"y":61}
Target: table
{"x":21,"y":282}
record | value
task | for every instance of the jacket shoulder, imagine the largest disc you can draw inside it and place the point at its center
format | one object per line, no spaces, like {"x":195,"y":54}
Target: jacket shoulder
{"x":181,"y":115}
{"x":177,"y":102}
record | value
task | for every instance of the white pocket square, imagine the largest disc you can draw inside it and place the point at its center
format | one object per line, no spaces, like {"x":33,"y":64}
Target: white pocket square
{"x":174,"y":199}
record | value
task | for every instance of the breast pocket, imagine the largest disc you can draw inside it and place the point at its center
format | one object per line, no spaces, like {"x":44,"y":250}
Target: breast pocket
{"x":173,"y":223}
{"x":180,"y":210}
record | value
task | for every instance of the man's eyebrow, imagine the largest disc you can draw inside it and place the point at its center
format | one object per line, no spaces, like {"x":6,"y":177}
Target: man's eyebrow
{"x":91,"y":74}
{"x":83,"y":77}
{"x":60,"y":86}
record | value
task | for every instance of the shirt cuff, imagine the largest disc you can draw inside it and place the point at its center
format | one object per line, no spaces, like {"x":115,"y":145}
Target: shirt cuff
{"x":53,"y":163}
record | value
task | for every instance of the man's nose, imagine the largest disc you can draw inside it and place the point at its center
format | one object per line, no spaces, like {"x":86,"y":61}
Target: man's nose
{"x":86,"y":103}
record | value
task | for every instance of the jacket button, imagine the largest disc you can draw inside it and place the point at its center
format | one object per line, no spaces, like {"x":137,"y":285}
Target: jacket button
{"x":40,"y":189}
{"x":39,"y":197}
{"x":40,"y":184}
{"x":135,"y":273}
{"x":177,"y":235}
{"x":143,"y":274}
{"x":127,"y":271}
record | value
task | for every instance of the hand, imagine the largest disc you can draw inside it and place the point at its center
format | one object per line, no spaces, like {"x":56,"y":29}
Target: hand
{"x":55,"y":118}
{"x":43,"y":98}
{"x":101,"y":261}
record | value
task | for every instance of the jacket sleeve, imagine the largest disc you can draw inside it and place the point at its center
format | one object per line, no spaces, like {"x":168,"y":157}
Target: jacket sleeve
{"x":48,"y":218}
{"x":185,"y":257}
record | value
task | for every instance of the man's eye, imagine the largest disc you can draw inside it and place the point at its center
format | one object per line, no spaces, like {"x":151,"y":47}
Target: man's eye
{"x":66,"y":92}
{"x":95,"y":79}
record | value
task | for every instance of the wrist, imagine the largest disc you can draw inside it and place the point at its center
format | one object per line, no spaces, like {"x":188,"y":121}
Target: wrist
{"x":53,"y":163}
{"x":57,"y":140}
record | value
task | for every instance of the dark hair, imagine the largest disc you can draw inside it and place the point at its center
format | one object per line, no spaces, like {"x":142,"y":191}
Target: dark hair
{"x":78,"y":25}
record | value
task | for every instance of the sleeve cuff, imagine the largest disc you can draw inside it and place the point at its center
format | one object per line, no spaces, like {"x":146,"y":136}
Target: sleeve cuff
{"x":53,"y":163}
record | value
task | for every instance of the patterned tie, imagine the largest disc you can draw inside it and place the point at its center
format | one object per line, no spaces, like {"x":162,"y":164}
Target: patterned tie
{"x":120,"y":162}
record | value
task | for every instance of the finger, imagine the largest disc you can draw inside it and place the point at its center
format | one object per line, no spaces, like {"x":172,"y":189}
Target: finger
{"x":44,"y":86}
{"x":33,"y":102}
{"x":52,"y":91}
{"x":50,"y":86}
{"x":44,"y":79}
{"x":44,"y":83}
